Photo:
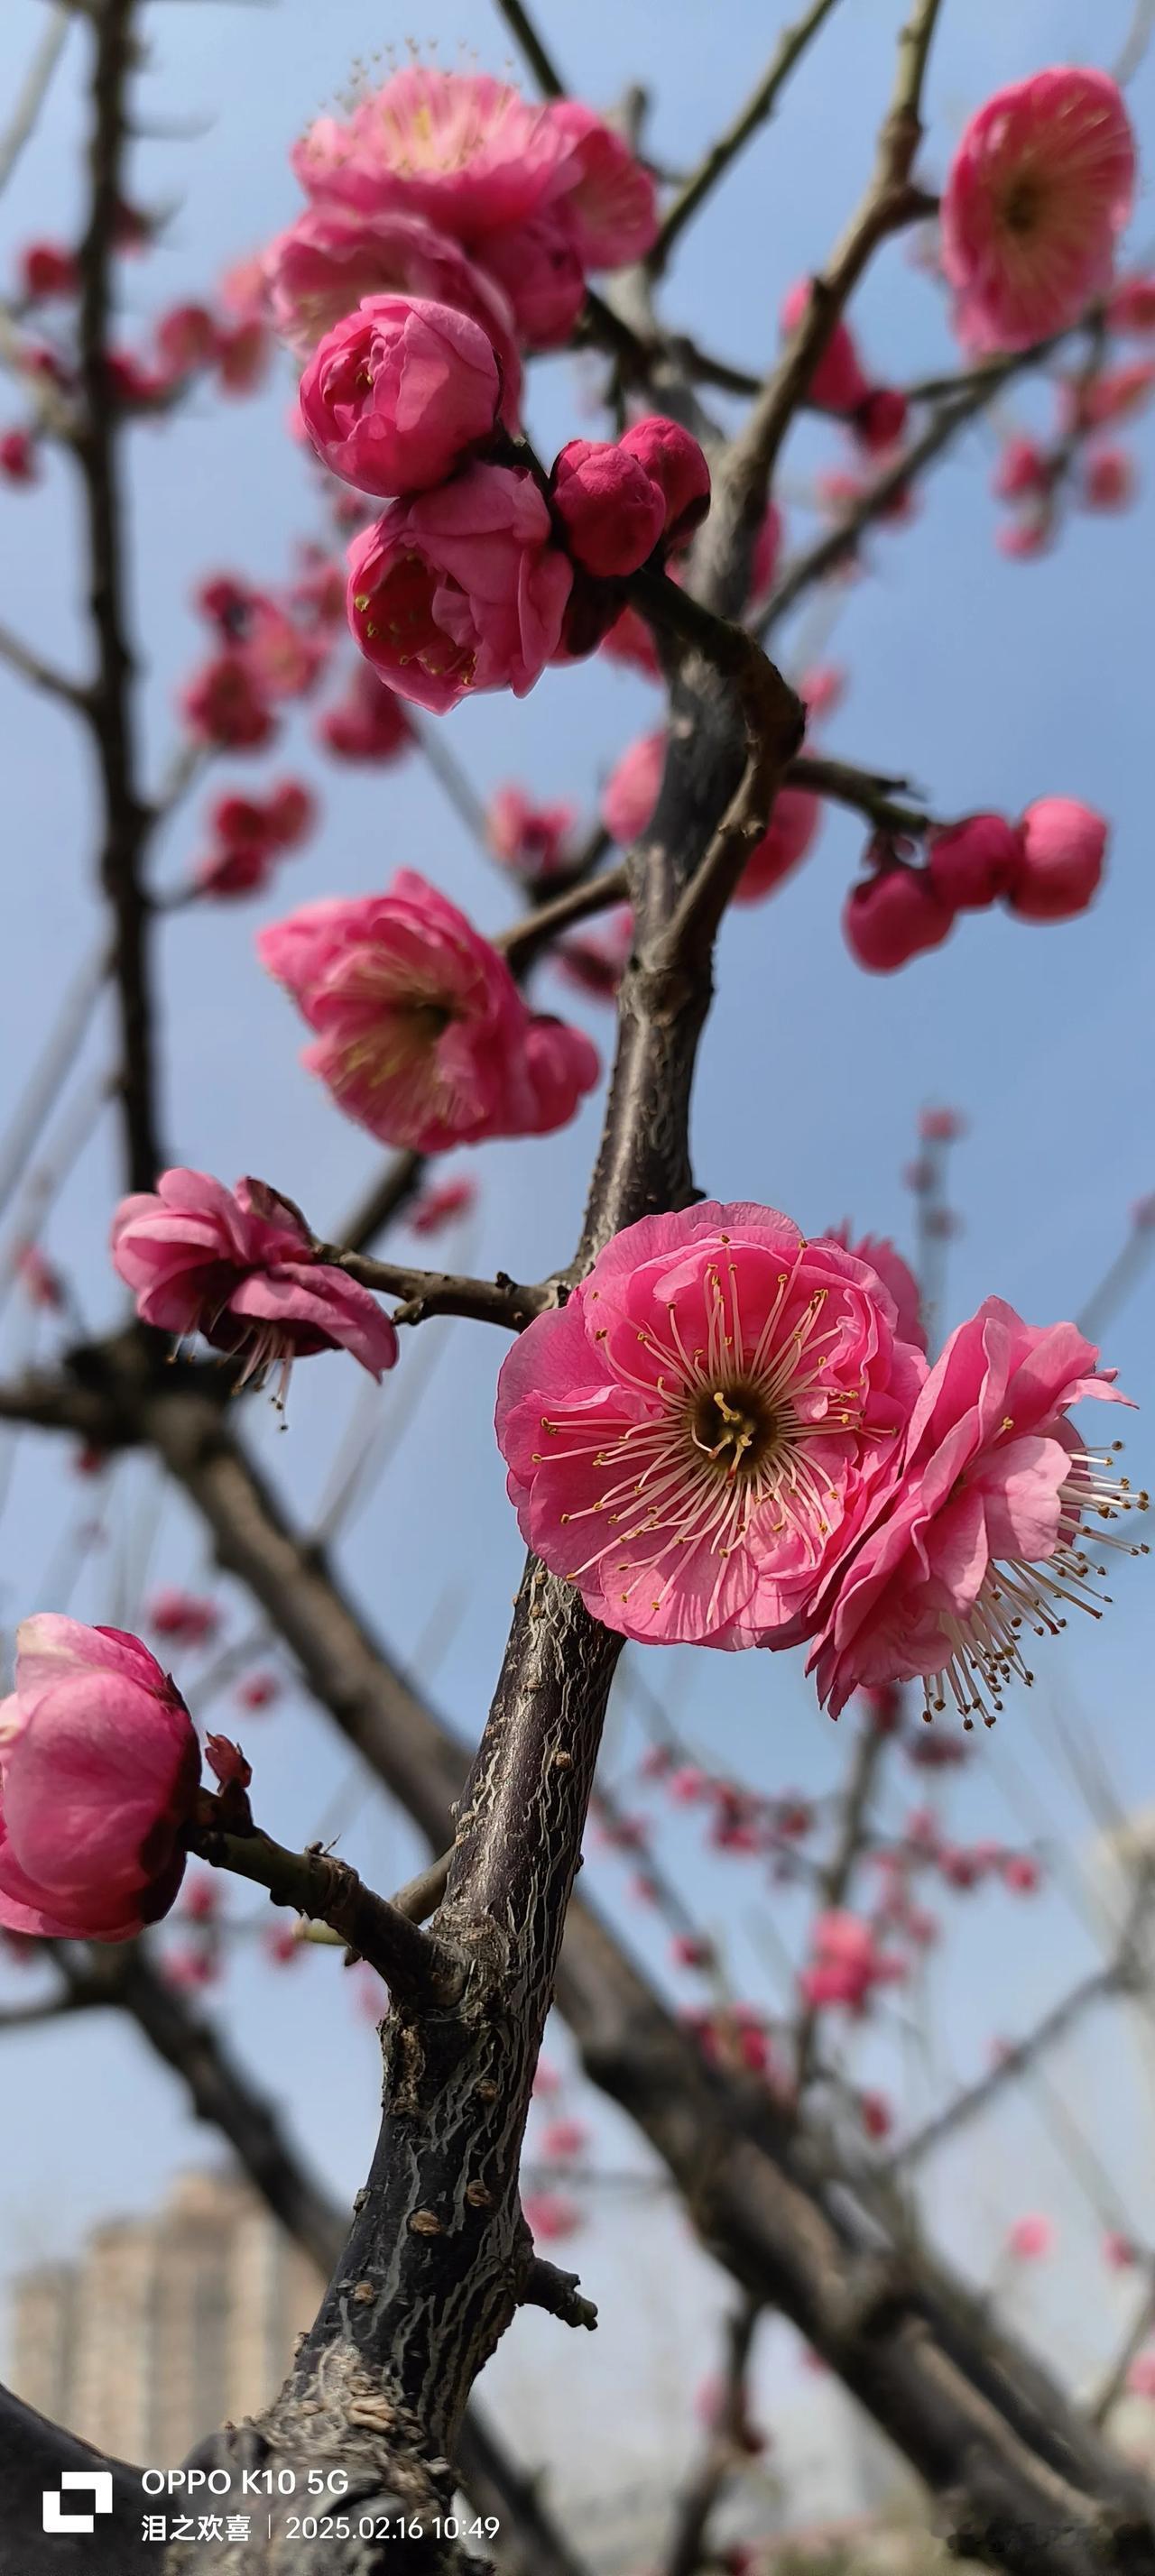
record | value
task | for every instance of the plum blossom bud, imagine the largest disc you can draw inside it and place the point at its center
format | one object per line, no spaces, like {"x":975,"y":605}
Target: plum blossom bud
{"x":441,"y":1206}
{"x":1022,"y":470}
{"x":242,"y":351}
{"x":227,"y":1762}
{"x":837,"y":383}
{"x":822,"y":690}
{"x":1119,"y":2252}
{"x":612,"y":512}
{"x":1061,"y":852}
{"x":399,"y":392}
{"x":99,"y":1772}
{"x":564,"y":2139}
{"x":941,"y":1126}
{"x":631,"y":790}
{"x":531,"y":839}
{"x":48,"y":270}
{"x":675,"y":462}
{"x":1131,"y":306}
{"x":892,"y":917}
{"x":1108,"y":481}
{"x":258,"y":1691}
{"x":185,"y":338}
{"x":971,"y":862}
{"x":183,"y":1617}
{"x":879,"y":422}
{"x":18,"y":456}
{"x":290,"y":812}
{"x":223,"y":704}
{"x":1030,"y":2238}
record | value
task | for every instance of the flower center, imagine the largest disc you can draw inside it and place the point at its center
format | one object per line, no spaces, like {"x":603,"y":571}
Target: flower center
{"x":733,"y":1426}
{"x":1022,"y":205}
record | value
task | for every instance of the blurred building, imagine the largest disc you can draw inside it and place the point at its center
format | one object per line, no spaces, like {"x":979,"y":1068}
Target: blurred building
{"x":165,"y":2324}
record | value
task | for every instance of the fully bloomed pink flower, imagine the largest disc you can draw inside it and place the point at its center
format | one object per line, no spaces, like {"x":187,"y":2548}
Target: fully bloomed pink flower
{"x":697,"y":1435}
{"x":606,"y":197}
{"x":422,"y":1035}
{"x":320,"y":269}
{"x":398,"y":393}
{"x":793,"y":824}
{"x":993,"y":1522}
{"x":463,"y":150}
{"x":460,"y":589}
{"x":238,"y":1267}
{"x":1039,"y":189}
{"x":99,"y":1771}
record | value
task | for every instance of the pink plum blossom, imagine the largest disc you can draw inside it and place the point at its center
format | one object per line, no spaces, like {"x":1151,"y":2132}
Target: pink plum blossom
{"x":612,"y":512}
{"x":238,"y":1267}
{"x":1062,"y":848}
{"x":536,"y":268}
{"x":993,"y":1509}
{"x":631,"y":790}
{"x":224,"y":704}
{"x":18,"y":456}
{"x":971,"y":862}
{"x":1022,"y":471}
{"x":897,"y":1277}
{"x":1030,"y":2238}
{"x":184,"y":1617}
{"x":606,"y":197}
{"x":1131,"y":306}
{"x":1039,"y":189}
{"x":703,"y":1429}
{"x":48,"y":271}
{"x":460,"y":589}
{"x":321,"y":268}
{"x":462,"y":150}
{"x":1109,"y":479}
{"x":369,"y":723}
{"x":550,"y":2216}
{"x":796,"y":817}
{"x":847,"y":1964}
{"x":531,"y":839}
{"x":837,"y":383}
{"x":441,"y":1206}
{"x":398,"y":393}
{"x":422,"y":1035}
{"x":99,"y":1772}
{"x":893,"y":916}
{"x":675,"y":462}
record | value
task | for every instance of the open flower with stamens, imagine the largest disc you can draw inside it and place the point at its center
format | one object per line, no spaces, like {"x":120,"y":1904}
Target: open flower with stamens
{"x":703,"y":1429}
{"x":237,"y":1267}
{"x":422,"y":1034}
{"x":1039,"y":189}
{"x":995,"y":1523}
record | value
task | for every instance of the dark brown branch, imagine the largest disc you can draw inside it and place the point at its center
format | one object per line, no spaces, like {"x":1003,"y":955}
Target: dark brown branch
{"x":31,"y":667}
{"x":559,"y":2293}
{"x":891,"y":201}
{"x":326,"y":1890}
{"x":421,"y":1896}
{"x":521,"y":25}
{"x":723,"y":2451}
{"x":759,"y":106}
{"x":109,"y":701}
{"x":864,"y":791}
{"x":524,"y":941}
{"x":442,"y":1292}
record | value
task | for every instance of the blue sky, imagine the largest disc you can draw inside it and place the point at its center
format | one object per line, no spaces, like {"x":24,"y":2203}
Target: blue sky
{"x":988,"y":684}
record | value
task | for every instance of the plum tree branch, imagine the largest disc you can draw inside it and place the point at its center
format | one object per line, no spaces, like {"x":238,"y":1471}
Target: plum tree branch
{"x":760,"y":105}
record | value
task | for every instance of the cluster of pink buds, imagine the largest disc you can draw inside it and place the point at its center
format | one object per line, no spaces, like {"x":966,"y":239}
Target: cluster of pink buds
{"x":249,"y":834}
{"x":1046,"y":867}
{"x":267,"y":650}
{"x":874,"y":414}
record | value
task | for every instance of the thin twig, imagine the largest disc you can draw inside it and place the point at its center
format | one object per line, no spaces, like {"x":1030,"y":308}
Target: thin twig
{"x":41,"y":675}
{"x":759,"y":106}
{"x":520,"y":24}
{"x":31,"y":98}
{"x":328,"y":1891}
